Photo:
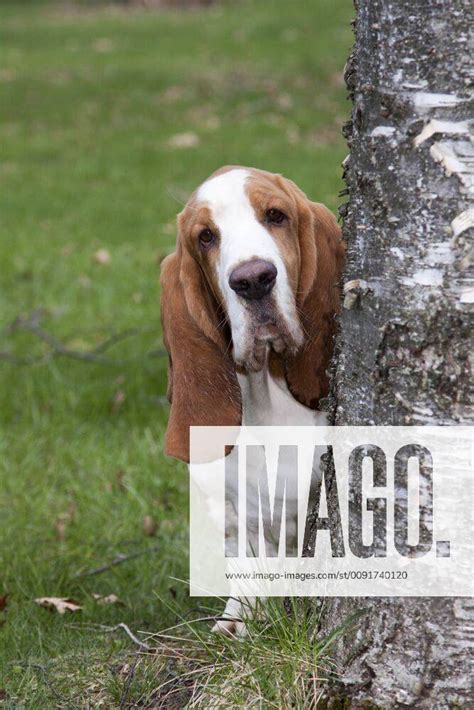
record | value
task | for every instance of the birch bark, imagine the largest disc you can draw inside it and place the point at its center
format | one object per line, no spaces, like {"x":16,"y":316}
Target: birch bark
{"x":404,"y":349}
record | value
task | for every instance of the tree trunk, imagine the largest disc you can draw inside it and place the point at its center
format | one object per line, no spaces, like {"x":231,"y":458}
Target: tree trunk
{"x":403,"y":350}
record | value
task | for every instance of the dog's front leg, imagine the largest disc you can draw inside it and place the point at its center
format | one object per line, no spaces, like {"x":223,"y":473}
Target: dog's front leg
{"x":237,"y":612}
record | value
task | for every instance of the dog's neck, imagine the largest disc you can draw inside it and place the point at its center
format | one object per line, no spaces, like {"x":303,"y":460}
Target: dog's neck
{"x":267,"y":400}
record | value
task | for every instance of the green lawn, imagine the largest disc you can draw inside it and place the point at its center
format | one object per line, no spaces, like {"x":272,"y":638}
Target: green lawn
{"x":90,"y":104}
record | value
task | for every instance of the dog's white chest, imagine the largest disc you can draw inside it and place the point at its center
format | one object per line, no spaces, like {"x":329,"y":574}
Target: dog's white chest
{"x":268,"y":402}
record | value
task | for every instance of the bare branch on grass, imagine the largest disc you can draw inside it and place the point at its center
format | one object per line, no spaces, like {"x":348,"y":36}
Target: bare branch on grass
{"x":32,"y":324}
{"x":45,"y":672}
{"x":141,"y":645}
{"x":120,"y":559}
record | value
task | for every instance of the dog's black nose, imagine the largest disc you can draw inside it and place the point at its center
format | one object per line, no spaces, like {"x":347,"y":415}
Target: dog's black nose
{"x":254,"y":279}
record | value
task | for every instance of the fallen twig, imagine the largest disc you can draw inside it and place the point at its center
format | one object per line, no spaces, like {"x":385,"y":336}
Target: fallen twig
{"x":143,"y":646}
{"x":116,"y":561}
{"x":31,"y":324}
{"x":45,"y":674}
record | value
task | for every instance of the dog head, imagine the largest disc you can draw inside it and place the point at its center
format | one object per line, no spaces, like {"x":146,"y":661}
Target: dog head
{"x":255,"y":274}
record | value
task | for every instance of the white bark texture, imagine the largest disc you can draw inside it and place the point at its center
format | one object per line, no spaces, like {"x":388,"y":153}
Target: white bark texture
{"x":403,"y":352}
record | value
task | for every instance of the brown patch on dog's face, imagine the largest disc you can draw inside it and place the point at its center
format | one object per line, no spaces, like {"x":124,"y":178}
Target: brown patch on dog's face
{"x":278,"y":213}
{"x":200,"y":237}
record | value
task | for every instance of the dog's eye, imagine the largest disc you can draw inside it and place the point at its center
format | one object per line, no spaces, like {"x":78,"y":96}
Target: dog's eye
{"x":274,"y":216}
{"x":206,"y":237}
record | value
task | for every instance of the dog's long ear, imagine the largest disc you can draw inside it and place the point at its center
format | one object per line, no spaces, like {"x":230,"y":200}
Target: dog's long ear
{"x":202,"y":384}
{"x":318,"y":298}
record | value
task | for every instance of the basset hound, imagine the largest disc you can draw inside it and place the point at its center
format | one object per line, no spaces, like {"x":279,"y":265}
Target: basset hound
{"x":248,"y":306}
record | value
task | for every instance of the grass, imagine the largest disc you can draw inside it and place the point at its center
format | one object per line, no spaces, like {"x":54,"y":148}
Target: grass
{"x":90,"y":102}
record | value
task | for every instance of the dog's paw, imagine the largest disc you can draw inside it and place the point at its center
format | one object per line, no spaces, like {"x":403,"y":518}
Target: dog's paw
{"x":232,"y":628}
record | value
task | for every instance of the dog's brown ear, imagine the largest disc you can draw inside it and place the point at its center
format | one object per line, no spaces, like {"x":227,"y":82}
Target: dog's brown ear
{"x":318,"y":299}
{"x":202,"y":384}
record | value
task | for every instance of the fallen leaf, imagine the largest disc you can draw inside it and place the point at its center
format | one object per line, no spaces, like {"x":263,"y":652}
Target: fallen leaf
{"x":84,"y":281}
{"x":67,"y":250}
{"x":60,"y":604}
{"x":60,"y":529}
{"x":102,"y":256}
{"x":284,"y":102}
{"x":78,"y":344}
{"x":117,"y":400}
{"x":3,"y":601}
{"x":150,"y":526}
{"x":184,"y":140}
{"x":103,"y":44}
{"x":293,"y":136}
{"x":63,"y":520}
{"x":168,"y":228}
{"x":108,"y":599}
{"x":212,"y":123}
{"x":172,"y":94}
{"x":7,"y":75}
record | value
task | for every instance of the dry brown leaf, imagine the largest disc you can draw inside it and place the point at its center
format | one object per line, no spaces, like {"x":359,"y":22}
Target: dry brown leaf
{"x":168,"y":228}
{"x":3,"y":601}
{"x":150,"y":526}
{"x":84,"y":281}
{"x":7,"y":75}
{"x":59,"y":604}
{"x":284,"y":102}
{"x":108,"y":599}
{"x":118,"y":400}
{"x":103,"y":44}
{"x":63,"y":520}
{"x":60,"y":529}
{"x":212,"y":123}
{"x":102,"y":256}
{"x":184,"y":140}
{"x":78,"y":344}
{"x":172,"y":94}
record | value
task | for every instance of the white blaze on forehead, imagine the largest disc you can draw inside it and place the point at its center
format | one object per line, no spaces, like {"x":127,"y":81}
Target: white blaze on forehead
{"x":242,"y":237}
{"x":223,"y":191}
